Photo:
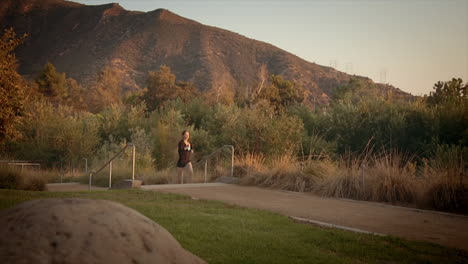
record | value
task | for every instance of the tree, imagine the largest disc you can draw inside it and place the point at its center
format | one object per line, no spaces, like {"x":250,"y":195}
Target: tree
{"x":453,"y":91}
{"x":282,"y":93}
{"x":107,"y":90}
{"x":75,"y":95}
{"x":162,"y":86}
{"x":12,"y":86}
{"x":346,"y":92}
{"x":52,"y":84}
{"x":59,"y":89}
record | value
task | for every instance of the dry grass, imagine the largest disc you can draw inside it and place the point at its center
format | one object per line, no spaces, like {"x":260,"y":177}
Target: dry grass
{"x":391,"y":177}
{"x":346,"y":181}
{"x":15,"y":178}
{"x":282,"y":172}
{"x":447,"y":174}
{"x":245,"y":165}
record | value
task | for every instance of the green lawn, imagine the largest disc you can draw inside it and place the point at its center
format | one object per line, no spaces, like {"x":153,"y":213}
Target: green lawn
{"x":221,"y":233}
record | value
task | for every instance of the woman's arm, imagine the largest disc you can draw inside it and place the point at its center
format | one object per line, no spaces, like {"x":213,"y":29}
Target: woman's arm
{"x":181,"y":147}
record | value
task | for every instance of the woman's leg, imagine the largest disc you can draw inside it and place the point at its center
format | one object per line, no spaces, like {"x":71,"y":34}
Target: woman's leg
{"x":180,"y":175}
{"x":190,"y":172}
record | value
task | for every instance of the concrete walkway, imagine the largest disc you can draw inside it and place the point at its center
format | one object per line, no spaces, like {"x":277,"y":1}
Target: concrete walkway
{"x":442,"y":228}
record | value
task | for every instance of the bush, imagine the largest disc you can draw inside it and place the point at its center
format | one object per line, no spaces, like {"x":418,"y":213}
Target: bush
{"x":446,"y":174}
{"x":257,"y":130}
{"x":394,"y":179}
{"x":52,"y":134}
{"x":33,"y":182}
{"x":282,"y":172}
{"x":449,"y":196}
{"x":346,"y":181}
{"x":10,"y":178}
{"x":14,"y":178}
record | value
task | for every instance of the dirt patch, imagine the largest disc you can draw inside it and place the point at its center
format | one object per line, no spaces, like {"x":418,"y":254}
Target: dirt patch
{"x":85,"y":231}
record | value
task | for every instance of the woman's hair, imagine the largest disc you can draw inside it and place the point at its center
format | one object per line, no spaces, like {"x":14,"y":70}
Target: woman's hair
{"x":183,"y":132}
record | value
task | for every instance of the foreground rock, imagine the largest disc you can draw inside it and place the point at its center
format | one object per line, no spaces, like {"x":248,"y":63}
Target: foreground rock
{"x":85,"y":231}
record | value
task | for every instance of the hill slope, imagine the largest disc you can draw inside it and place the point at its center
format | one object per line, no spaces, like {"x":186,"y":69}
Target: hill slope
{"x":81,"y":40}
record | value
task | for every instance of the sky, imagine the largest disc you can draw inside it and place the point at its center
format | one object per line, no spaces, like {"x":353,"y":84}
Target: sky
{"x":410,"y":44}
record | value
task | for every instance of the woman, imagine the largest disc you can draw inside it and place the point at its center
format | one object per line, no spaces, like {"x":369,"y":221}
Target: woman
{"x":185,"y":149}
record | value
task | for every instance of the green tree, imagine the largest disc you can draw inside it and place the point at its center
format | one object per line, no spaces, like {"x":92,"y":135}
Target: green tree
{"x":75,"y":95}
{"x":453,"y":91}
{"x":52,"y":84}
{"x":162,"y":86}
{"x":12,"y":86}
{"x":168,"y":123}
{"x":346,"y":92}
{"x":106,"y":91}
{"x":53,"y":133}
{"x":282,"y":93}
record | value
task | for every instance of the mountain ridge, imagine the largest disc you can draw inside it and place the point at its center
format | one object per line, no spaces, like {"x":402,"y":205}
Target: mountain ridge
{"x":81,"y":40}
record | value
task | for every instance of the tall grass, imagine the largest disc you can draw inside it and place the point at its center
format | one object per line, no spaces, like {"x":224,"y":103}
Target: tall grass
{"x":346,"y":181}
{"x":447,"y":176}
{"x":281,"y":172}
{"x":16,"y":178}
{"x":393,"y":177}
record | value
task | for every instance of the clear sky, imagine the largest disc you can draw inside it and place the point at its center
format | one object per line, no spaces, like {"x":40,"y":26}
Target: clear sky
{"x":410,"y":44}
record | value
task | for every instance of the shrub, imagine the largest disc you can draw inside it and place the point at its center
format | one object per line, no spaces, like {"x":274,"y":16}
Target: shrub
{"x":448,"y":196}
{"x":52,"y":134}
{"x":15,"y":178}
{"x":10,"y":178}
{"x":394,"y":179}
{"x":33,"y":182}
{"x":347,"y":181}
{"x":282,"y":172}
{"x":446,"y":173}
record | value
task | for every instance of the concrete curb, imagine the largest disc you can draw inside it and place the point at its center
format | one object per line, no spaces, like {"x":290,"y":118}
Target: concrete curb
{"x":324,"y":224}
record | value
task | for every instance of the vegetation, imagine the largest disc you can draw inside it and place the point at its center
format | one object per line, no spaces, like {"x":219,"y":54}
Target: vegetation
{"x":400,"y":143}
{"x":221,"y":233}
{"x":390,"y":177}
{"x":15,"y":178}
{"x":162,"y":86}
{"x":12,"y":86}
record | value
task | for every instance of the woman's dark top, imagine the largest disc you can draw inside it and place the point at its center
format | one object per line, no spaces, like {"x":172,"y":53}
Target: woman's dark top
{"x":184,"y":153}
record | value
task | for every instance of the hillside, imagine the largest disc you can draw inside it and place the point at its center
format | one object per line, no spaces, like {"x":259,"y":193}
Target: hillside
{"x":81,"y":40}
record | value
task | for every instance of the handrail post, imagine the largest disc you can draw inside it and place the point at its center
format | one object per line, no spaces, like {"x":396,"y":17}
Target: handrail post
{"x":61,"y":171}
{"x":90,"y":179}
{"x":232,"y":161}
{"x":110,"y":175}
{"x":110,"y":165}
{"x":72,"y":169}
{"x":86,"y":165}
{"x":133,"y":162}
{"x":206,"y":167}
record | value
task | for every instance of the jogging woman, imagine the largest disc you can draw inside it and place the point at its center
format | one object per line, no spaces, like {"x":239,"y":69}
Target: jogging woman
{"x":185,"y":149}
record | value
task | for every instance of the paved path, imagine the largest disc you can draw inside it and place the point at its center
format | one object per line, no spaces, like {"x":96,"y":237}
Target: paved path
{"x":446,"y":229}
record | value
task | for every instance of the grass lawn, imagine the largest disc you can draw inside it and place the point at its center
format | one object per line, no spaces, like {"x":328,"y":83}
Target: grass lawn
{"x":222,"y":233}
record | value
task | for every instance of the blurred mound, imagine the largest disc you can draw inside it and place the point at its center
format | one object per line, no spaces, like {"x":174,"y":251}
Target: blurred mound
{"x":85,"y":231}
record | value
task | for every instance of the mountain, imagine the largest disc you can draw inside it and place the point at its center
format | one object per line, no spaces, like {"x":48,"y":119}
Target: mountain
{"x":82,"y":40}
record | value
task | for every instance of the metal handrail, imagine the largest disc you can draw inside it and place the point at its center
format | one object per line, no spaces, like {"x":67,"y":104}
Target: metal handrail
{"x":109,"y":162}
{"x":205,"y":159}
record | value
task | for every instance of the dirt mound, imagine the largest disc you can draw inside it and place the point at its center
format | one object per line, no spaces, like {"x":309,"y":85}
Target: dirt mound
{"x":85,"y":231}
